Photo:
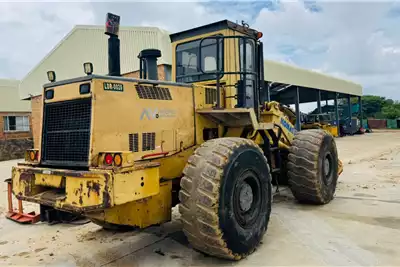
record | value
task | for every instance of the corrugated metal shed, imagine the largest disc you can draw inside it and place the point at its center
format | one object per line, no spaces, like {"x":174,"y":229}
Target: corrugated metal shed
{"x":287,"y":74}
{"x":89,"y":44}
{"x":9,"y":97}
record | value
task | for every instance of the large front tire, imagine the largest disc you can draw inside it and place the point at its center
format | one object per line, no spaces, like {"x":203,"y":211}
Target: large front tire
{"x":226,"y":197}
{"x":313,"y":167}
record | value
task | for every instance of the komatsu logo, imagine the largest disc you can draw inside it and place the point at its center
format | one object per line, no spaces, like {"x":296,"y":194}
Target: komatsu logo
{"x":156,"y":113}
{"x":288,"y":126}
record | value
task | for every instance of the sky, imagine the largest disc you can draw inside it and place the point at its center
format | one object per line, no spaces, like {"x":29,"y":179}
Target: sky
{"x":355,"y":40}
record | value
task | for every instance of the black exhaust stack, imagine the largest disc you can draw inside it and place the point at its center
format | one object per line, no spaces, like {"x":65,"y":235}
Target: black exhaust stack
{"x":148,"y":63}
{"x":112,"y":30}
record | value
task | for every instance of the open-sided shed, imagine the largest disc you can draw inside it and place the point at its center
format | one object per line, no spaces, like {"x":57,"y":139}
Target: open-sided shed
{"x":292,"y":85}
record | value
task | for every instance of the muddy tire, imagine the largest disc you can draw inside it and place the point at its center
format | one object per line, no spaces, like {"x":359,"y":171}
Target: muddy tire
{"x":226,"y":197}
{"x":112,"y":226}
{"x":313,"y":167}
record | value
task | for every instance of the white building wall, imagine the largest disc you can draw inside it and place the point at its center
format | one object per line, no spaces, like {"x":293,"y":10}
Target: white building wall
{"x":9,"y":98}
{"x":89,"y":44}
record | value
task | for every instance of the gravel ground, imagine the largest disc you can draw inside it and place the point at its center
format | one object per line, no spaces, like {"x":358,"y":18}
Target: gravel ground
{"x":360,"y":227}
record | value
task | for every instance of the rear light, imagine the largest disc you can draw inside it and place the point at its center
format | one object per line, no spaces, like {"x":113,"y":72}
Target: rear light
{"x":108,"y":159}
{"x":114,"y":159}
{"x":117,"y":159}
{"x":32,"y":155}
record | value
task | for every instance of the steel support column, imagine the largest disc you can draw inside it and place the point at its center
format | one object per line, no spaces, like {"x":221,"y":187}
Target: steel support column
{"x":349,"y":109}
{"x":297,"y":104}
{"x":360,"y":111}
{"x":319,"y":101}
{"x":337,"y":113}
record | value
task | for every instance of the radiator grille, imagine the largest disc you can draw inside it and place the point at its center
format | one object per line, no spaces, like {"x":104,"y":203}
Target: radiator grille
{"x":66,"y":133}
{"x":134,"y":142}
{"x":148,"y":141}
{"x":153,"y":92}
{"x":211,"y":95}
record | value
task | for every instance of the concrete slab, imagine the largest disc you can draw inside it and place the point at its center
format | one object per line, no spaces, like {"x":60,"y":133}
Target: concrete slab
{"x":360,"y":227}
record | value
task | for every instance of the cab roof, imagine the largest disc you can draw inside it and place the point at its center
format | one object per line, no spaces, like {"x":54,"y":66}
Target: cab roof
{"x":216,"y":26}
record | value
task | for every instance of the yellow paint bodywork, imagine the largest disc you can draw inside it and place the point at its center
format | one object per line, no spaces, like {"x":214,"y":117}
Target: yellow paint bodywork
{"x":55,"y":181}
{"x":331,"y":129}
{"x":84,"y":191}
{"x":135,"y":185}
{"x":146,"y":212}
{"x":139,"y":192}
{"x":64,"y":189}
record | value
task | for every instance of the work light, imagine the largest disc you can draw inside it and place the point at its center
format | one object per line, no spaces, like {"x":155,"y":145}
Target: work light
{"x":88,"y":68}
{"x":49,"y":94}
{"x":51,"y":75}
{"x":84,"y":88}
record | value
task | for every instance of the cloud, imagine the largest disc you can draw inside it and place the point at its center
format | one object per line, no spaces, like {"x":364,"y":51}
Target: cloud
{"x":356,"y":40}
{"x":353,"y":40}
{"x":31,"y":30}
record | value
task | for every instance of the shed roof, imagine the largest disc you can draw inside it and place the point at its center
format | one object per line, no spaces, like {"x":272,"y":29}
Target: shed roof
{"x":291,"y":75}
{"x":89,"y":44}
{"x":9,"y":97}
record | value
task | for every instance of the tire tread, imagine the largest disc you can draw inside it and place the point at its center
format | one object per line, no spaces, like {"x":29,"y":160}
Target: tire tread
{"x":200,"y":204}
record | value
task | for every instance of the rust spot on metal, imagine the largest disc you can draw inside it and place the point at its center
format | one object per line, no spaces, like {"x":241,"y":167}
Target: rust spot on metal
{"x":68,"y":207}
{"x":63,"y":182}
{"x":93,"y":186}
{"x":106,"y":195}
{"x":62,"y":172}
{"x":27,"y":189}
{"x":26,"y":176}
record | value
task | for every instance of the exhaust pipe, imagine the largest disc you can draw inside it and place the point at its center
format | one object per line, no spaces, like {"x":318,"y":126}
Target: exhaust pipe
{"x":148,"y":63}
{"x":112,"y":30}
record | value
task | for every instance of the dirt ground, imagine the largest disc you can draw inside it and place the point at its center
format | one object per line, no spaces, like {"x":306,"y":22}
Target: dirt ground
{"x":361,"y":226}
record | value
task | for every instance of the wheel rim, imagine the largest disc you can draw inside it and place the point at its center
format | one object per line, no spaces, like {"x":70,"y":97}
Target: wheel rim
{"x":327,"y":168}
{"x":246,"y":199}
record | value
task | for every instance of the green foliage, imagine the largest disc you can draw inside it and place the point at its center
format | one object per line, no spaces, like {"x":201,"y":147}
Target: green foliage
{"x":391,"y":111}
{"x":380,"y":107}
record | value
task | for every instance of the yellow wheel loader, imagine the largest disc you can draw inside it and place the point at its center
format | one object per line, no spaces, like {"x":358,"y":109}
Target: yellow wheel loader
{"x":320,"y":121}
{"x":124,"y":151}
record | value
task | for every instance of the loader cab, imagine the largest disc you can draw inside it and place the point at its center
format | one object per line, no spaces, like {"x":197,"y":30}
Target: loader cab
{"x":222,"y":54}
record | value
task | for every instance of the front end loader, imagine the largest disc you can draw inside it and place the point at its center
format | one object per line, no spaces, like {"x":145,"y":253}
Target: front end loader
{"x":124,"y":151}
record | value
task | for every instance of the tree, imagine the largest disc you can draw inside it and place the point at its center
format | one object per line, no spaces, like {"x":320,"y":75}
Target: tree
{"x":372,"y":104}
{"x":391,"y":111}
{"x":378,"y":107}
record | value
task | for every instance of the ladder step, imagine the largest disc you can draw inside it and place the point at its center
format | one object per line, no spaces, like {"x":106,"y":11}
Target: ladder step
{"x":274,"y":149}
{"x":275,"y":170}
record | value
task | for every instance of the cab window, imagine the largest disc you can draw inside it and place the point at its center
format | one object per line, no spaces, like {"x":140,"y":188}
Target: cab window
{"x":187,"y":61}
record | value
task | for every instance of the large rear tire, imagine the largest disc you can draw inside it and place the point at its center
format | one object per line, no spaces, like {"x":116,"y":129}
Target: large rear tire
{"x":226,"y":197}
{"x":313,"y":167}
